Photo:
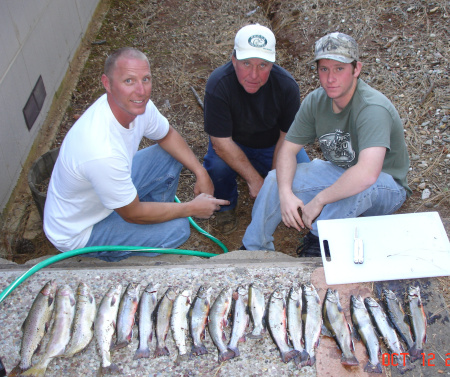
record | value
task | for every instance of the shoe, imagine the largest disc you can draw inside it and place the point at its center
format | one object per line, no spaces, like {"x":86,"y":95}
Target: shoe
{"x":310,"y":246}
{"x":226,"y":221}
{"x":242,"y":248}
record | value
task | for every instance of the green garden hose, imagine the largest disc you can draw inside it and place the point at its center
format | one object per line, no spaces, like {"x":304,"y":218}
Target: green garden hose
{"x":92,"y":249}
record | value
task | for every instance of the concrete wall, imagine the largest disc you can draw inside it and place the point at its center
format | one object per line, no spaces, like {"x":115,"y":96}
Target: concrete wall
{"x":37,"y":38}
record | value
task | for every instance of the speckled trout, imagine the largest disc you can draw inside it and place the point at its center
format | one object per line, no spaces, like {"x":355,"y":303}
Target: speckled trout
{"x":363,"y":324}
{"x":83,"y":323}
{"x":294,"y":321}
{"x":59,"y":333}
{"x":105,"y":327}
{"x":276,"y":320}
{"x":218,"y":319}
{"x":313,"y":323}
{"x":147,"y":305}
{"x":388,"y":334}
{"x":336,"y":323}
{"x":126,"y":316}
{"x":198,"y":319}
{"x":179,"y":322}
{"x":35,"y":326}
{"x":164,"y":311}
{"x":398,"y":317}
{"x":418,"y":322}
{"x":240,"y":319}
{"x":257,"y":308}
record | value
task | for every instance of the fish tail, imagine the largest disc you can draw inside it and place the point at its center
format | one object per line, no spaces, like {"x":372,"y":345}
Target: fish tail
{"x":141,"y":353}
{"x":119,"y":345}
{"x":370,"y":368}
{"x":289,"y":355}
{"x":162,"y":351}
{"x":235,"y":350}
{"x":350,"y":361}
{"x":301,"y":359}
{"x":415,"y":353}
{"x":181,"y":358}
{"x":405,"y":368}
{"x":309,"y":361}
{"x":199,"y":350}
{"x":226,"y":355}
{"x":36,"y":371}
{"x":17,"y":371}
{"x":111,"y":369}
{"x":255,"y":334}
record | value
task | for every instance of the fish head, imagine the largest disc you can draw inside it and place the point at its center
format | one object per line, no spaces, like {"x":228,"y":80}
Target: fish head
{"x":413,"y":292}
{"x":389,"y":295}
{"x":152,"y":288}
{"x":241,"y":290}
{"x":49,"y":289}
{"x":332,"y":296}
{"x":278,"y":294}
{"x":294,"y":294}
{"x":171,"y":294}
{"x":357,"y":301}
{"x":369,"y":301}
{"x":257,"y":284}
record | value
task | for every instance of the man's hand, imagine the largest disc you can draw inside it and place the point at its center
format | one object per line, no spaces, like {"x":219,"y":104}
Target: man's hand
{"x":204,"y":205}
{"x":310,"y":212}
{"x":289,"y":206}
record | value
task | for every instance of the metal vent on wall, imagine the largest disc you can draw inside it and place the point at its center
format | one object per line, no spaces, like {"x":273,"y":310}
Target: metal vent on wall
{"x":35,"y":102}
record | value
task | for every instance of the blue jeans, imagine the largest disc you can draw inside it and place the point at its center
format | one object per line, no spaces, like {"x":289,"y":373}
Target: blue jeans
{"x":384,"y":197}
{"x":155,"y":175}
{"x":224,"y":177}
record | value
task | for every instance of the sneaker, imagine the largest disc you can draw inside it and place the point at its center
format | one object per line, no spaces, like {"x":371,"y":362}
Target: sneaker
{"x":310,"y":246}
{"x":226,"y":221}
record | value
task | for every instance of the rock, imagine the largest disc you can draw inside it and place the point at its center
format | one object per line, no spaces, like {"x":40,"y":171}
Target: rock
{"x":426,"y":194}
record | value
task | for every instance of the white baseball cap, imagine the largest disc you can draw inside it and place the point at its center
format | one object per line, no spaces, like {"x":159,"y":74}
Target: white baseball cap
{"x":255,"y":41}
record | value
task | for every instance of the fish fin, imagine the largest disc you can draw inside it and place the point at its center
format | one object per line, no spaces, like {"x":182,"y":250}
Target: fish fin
{"x":304,"y":356}
{"x":235,"y":350}
{"x":113,"y":301}
{"x":227,"y":355}
{"x":311,"y":360}
{"x":355,"y":335}
{"x":351,"y":361}
{"x":142,"y":353}
{"x":111,"y":369}
{"x":162,"y":351}
{"x":119,"y":345}
{"x":199,"y":350}
{"x":326,"y":332}
{"x":242,"y":338}
{"x":181,"y":358}
{"x":224,"y":337}
{"x":254,"y":336}
{"x":415,"y":353}
{"x":50,"y":300}
{"x":37,"y":370}
{"x":17,"y":371}
{"x":289,"y":355}
{"x":370,"y":368}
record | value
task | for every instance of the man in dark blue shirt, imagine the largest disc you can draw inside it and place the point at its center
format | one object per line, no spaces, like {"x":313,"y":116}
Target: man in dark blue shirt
{"x":250,"y":103}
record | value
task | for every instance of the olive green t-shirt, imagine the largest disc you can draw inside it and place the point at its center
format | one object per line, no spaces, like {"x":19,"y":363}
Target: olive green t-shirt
{"x":369,"y":120}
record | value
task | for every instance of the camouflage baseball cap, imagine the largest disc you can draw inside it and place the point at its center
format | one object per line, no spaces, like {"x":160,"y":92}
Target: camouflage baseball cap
{"x":337,"y":46}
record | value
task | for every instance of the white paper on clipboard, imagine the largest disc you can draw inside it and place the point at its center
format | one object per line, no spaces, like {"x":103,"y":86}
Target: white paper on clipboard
{"x":400,"y":246}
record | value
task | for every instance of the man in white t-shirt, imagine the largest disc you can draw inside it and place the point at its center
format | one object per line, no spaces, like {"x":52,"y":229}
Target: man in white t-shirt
{"x":103,"y":191}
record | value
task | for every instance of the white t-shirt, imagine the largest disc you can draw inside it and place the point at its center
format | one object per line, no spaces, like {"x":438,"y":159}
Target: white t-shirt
{"x":92,"y":175}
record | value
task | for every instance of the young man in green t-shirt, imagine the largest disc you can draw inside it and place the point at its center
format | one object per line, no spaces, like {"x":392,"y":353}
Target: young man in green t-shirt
{"x":361,"y":137}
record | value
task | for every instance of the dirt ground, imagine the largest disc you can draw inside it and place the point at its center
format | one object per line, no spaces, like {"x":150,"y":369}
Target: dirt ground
{"x":404,"y":49}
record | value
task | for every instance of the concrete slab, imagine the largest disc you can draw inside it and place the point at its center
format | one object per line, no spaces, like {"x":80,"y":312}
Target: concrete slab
{"x":258,"y":357}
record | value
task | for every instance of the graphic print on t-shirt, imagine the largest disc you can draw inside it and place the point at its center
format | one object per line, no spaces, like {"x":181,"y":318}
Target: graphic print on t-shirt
{"x":337,"y":148}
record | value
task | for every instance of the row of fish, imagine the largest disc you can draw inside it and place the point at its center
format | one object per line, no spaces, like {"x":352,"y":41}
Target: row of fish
{"x":295,"y":323}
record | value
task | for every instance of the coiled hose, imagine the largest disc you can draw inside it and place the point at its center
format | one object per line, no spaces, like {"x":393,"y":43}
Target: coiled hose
{"x":92,"y":249}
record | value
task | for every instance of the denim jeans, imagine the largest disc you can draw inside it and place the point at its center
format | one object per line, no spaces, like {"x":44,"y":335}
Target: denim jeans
{"x":224,"y":177}
{"x":384,"y":197}
{"x":155,"y":175}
